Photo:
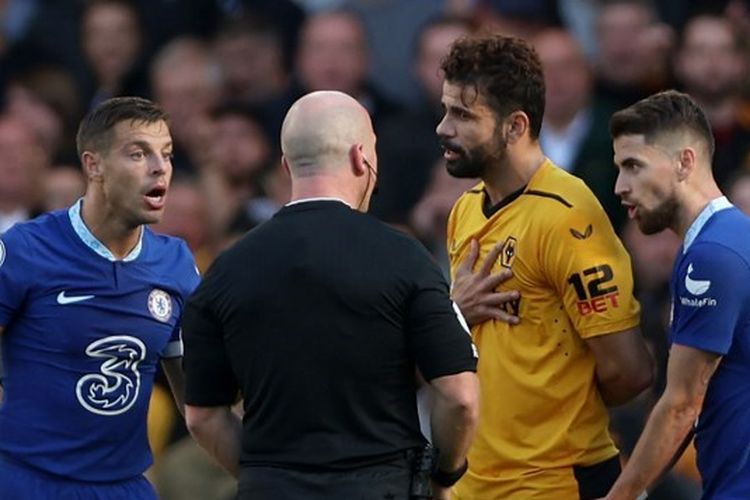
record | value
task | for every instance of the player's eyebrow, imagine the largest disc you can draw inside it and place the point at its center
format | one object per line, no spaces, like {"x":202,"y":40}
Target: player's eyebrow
{"x":147,"y":145}
{"x":630,"y":162}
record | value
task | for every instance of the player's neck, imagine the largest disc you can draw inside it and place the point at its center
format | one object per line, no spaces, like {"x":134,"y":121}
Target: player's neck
{"x":108,"y":228}
{"x":513,"y":172}
{"x":693,"y":204}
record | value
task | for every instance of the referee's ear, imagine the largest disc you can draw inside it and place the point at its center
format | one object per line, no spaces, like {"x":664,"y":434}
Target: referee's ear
{"x":357,"y":160}
{"x":92,"y":166}
{"x":285,"y":164}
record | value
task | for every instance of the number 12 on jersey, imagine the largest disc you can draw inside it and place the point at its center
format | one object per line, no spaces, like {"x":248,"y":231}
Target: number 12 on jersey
{"x":591,"y":288}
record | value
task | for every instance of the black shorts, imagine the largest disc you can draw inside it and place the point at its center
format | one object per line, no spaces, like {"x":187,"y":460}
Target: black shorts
{"x":386,"y":481}
{"x":594,"y":481}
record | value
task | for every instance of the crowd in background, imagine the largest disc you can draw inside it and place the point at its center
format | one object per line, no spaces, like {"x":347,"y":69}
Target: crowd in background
{"x":226,"y":72}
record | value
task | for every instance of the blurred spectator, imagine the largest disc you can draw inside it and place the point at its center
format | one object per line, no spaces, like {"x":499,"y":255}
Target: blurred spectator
{"x":333,"y":55}
{"x":429,"y":219}
{"x":186,"y":216}
{"x":186,"y":472}
{"x":187,"y":83}
{"x":579,"y":17}
{"x":22,"y":165}
{"x":710,"y":66}
{"x":241,"y":153}
{"x":738,"y":190}
{"x":112,"y":43}
{"x":406,"y":165}
{"x":240,"y":149}
{"x":256,"y":69}
{"x":522,"y":18}
{"x":61,"y":187}
{"x":46,"y":98}
{"x":634,"y":48}
{"x":575,"y":133}
{"x":251,"y":54}
{"x":391,"y":27}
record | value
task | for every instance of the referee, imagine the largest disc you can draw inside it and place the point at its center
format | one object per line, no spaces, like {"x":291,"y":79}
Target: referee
{"x":318,"y":318}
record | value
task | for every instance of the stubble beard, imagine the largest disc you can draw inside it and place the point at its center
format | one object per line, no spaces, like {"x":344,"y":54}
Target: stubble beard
{"x":660,"y":218}
{"x":475,"y":163}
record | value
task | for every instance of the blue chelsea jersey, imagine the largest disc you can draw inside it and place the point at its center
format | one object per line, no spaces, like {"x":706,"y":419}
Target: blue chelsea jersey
{"x":83,"y":335}
{"x":711,"y":312}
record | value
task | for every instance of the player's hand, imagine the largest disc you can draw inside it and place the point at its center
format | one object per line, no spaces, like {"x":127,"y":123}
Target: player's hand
{"x":475,"y":291}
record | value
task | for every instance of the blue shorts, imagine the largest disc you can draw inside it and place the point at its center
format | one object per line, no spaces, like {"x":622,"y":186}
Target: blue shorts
{"x":18,"y":482}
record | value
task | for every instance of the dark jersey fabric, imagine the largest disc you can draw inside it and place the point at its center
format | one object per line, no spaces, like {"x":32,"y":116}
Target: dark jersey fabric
{"x":319,"y":317}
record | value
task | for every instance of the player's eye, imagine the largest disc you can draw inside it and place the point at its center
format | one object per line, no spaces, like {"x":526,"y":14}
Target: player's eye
{"x":137,"y":155}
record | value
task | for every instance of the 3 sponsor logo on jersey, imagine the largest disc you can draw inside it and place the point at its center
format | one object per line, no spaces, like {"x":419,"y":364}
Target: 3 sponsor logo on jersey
{"x":114,"y":389}
{"x":160,"y":305}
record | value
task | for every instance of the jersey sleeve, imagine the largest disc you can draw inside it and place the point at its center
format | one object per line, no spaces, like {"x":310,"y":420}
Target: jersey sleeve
{"x":190,"y":278}
{"x":438,"y":335}
{"x":16,"y":273}
{"x":712,"y":298}
{"x":209,"y":380}
{"x":589,"y":267}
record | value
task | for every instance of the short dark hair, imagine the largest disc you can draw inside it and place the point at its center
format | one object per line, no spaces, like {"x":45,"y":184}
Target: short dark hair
{"x":667,"y":111}
{"x":505,"y":70}
{"x":95,"y":130}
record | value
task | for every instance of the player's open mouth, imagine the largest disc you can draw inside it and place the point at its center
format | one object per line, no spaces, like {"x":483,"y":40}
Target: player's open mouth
{"x":451,"y":154}
{"x":155,"y":197}
{"x":631,"y":211}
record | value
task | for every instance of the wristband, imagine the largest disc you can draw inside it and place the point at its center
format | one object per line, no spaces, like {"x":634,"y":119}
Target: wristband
{"x":448,"y":479}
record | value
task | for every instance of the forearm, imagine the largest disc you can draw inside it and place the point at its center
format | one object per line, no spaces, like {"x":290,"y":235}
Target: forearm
{"x":665,"y":431}
{"x":619,"y":390}
{"x":221,"y":436}
{"x":621,"y":384}
{"x":173,"y":370}
{"x":453,"y":427}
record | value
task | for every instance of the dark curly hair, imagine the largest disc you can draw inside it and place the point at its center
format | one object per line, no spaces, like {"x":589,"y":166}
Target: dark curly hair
{"x":666,"y":111}
{"x":505,"y":70}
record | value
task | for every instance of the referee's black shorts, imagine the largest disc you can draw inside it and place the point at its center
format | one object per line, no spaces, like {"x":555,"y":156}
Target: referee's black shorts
{"x":385,"y":481}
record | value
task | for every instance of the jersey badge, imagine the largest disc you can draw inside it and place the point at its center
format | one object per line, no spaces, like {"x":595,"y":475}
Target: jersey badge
{"x":160,"y":305}
{"x":508,"y":255}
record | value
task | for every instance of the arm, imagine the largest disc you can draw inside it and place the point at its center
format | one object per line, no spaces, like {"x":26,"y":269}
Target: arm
{"x":474,"y":292}
{"x":624,"y":366}
{"x":173,"y":370}
{"x":454,"y":419}
{"x":688,"y":373}
{"x":217,"y":430}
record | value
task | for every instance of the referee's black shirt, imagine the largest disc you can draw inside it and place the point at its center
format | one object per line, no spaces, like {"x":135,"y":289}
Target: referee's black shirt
{"x":318,"y":317}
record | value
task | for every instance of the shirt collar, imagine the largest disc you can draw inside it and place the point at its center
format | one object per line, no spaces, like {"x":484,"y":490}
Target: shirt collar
{"x":321,"y":198}
{"x":90,"y":240}
{"x":715,"y":205}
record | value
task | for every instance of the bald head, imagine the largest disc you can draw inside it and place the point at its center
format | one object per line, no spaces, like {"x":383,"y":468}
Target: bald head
{"x":321,"y":129}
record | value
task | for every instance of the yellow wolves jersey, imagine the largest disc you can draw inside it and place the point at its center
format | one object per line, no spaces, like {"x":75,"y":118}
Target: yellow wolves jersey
{"x":541,"y":411}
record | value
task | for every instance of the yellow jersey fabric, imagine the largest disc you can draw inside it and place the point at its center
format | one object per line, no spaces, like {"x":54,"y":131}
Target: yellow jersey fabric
{"x":541,"y":412}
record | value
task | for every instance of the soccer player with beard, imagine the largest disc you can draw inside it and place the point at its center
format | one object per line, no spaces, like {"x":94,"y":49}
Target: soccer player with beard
{"x":546,"y":380}
{"x":663,"y":149}
{"x":90,"y":302}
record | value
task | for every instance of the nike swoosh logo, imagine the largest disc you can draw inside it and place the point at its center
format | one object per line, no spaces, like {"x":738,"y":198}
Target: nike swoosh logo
{"x":696,"y":287}
{"x":63,"y":299}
